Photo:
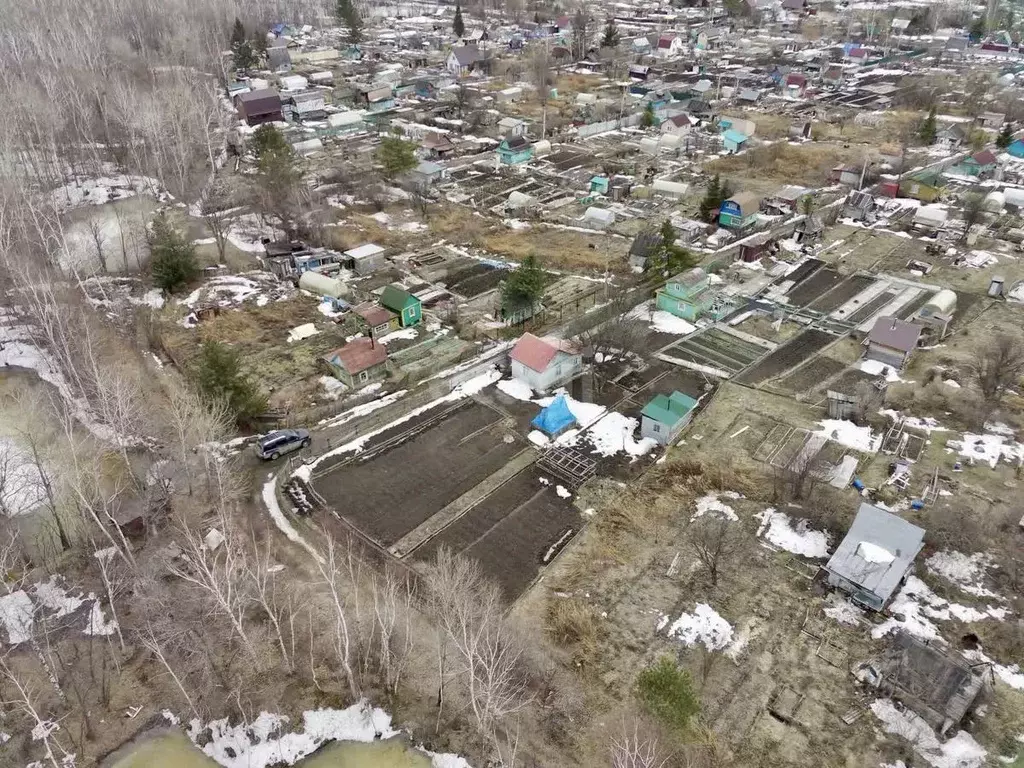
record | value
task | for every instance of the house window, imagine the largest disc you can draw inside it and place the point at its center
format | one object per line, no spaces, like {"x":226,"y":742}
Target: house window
{"x":656,"y":427}
{"x":381,"y":328}
{"x":363,"y":376}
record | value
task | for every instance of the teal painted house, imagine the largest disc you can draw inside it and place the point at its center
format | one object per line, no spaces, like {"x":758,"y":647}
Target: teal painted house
{"x":1016,"y":148}
{"x":733,"y":141}
{"x":514,"y":150}
{"x":402,"y":303}
{"x":979,"y":164}
{"x":739,"y":211}
{"x":689,"y":296}
{"x":665,"y":416}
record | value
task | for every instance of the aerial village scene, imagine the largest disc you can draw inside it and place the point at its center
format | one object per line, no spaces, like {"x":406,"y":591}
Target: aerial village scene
{"x":500,"y":383}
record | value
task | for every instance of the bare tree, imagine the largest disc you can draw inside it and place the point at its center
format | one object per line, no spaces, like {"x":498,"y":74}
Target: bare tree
{"x":215,"y":207}
{"x":974,"y":210}
{"x":26,"y":700}
{"x":219,"y":575}
{"x":99,"y":241}
{"x":633,"y":747}
{"x":867,"y":401}
{"x":488,"y":652}
{"x":331,"y":573}
{"x":279,"y":611}
{"x":714,"y":541}
{"x":996,"y":365}
{"x":580,"y":33}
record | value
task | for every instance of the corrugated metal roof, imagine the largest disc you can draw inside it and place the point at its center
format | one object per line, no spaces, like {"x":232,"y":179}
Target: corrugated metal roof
{"x":883,"y":529}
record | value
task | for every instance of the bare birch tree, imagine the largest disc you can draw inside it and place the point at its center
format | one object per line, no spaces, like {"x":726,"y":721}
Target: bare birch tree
{"x":331,"y":570}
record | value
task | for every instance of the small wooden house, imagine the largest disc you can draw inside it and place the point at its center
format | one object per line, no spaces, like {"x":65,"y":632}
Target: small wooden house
{"x":402,"y":303}
{"x":664,"y":417}
{"x":358,"y":363}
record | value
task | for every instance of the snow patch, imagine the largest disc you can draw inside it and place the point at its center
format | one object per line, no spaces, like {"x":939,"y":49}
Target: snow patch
{"x":878,"y":368}
{"x":300,"y":332}
{"x":989,"y":448}
{"x":967,"y":572}
{"x":961,"y":751}
{"x":918,"y":605}
{"x":705,"y":626}
{"x":661,"y":321}
{"x":799,"y":539}
{"x":849,"y":434}
{"x":563,"y":492}
{"x":711,"y":504}
{"x":403,"y":333}
{"x":516,"y":389}
{"x":842,"y":610}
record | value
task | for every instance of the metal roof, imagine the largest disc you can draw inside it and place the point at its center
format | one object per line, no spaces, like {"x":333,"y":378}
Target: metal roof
{"x":877,"y":527}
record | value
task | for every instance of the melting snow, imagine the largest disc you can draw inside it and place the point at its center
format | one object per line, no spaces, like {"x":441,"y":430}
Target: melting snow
{"x":967,"y":572}
{"x":917,"y":604}
{"x":873,"y":553}
{"x":988,"y":448}
{"x":849,"y":434}
{"x":563,"y":492}
{"x":17,"y":616}
{"x":300,"y":332}
{"x":800,"y":540}
{"x":660,"y":320}
{"x":961,"y":751}
{"x":1011,"y":674}
{"x":516,"y":389}
{"x":710,"y":503}
{"x":404,"y":333}
{"x":704,"y":625}
{"x":877,"y":368}
{"x":97,"y":623}
{"x":842,"y":610}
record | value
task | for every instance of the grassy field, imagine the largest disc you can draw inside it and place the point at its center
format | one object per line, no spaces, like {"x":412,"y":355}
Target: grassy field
{"x":807,"y":164}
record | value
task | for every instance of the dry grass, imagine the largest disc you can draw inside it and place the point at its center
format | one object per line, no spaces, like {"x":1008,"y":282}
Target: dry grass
{"x":1001,"y":724}
{"x":560,"y":249}
{"x":574,"y":626}
{"x":807,"y":164}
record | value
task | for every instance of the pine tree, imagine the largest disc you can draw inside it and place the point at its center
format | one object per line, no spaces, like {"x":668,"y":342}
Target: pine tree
{"x":523,"y":288}
{"x":648,"y":120}
{"x":348,"y":14}
{"x":670,"y":257}
{"x":238,"y":35}
{"x":458,"y":27}
{"x":172,"y":257}
{"x":712,"y":200}
{"x":219,"y":377}
{"x":611,"y":34}
{"x":928,"y":130}
{"x":396,"y":156}
{"x":1005,"y":137}
{"x":978,"y":29}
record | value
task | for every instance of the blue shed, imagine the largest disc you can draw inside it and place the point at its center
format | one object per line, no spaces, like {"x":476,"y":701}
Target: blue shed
{"x":733,"y":141}
{"x":1016,"y":148}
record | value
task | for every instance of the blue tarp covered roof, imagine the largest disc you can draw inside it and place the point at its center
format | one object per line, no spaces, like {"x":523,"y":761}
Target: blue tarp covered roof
{"x":556,"y":418}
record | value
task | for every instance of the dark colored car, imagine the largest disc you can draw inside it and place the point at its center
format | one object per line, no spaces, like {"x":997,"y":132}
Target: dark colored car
{"x":275,"y":444}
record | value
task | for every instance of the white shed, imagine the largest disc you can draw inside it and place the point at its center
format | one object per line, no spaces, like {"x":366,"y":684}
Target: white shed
{"x":598,"y":218}
{"x":994,"y":202}
{"x":1014,"y":196}
{"x":350,"y":120}
{"x":542,"y":147}
{"x":308,"y":146}
{"x":294,"y":83}
{"x":930,"y":217}
{"x":322,"y":78}
{"x":322,"y":285}
{"x":649,"y":146}
{"x":671,"y":189}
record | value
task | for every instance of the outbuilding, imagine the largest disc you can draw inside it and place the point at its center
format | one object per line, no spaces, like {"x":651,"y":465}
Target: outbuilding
{"x":359,"y":362}
{"x":875,"y":557}
{"x":891,"y":341}
{"x":366,"y":258}
{"x":664,"y":417}
{"x":402,"y":303}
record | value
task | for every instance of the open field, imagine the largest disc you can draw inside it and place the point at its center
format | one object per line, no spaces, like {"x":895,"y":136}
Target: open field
{"x":807,"y":164}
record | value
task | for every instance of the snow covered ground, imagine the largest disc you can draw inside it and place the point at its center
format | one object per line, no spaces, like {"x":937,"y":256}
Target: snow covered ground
{"x":876,"y":368}
{"x":918,"y":605}
{"x":988,"y":448}
{"x":53,"y":599}
{"x":83,"y":190}
{"x":712,"y":504}
{"x":799,"y":539}
{"x":961,"y":751}
{"x":267,"y":740}
{"x":849,"y":434}
{"x":704,"y":626}
{"x":661,"y":321}
{"x":967,"y":572}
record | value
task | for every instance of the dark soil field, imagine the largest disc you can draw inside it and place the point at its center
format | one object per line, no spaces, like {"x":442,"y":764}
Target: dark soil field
{"x":871,"y":307}
{"x":388,"y":493}
{"x":474,"y":280}
{"x":812,"y":375}
{"x":510,"y":531}
{"x":787,"y":356}
{"x":841,"y":294}
{"x":809,"y":290}
{"x":847,"y":383}
{"x":717,"y":349}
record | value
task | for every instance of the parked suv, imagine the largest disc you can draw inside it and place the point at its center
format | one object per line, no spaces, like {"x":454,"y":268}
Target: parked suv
{"x":275,"y":444}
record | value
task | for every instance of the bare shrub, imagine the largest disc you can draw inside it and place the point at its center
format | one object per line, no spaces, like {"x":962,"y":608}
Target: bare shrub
{"x":997,"y":365}
{"x":715,"y":541}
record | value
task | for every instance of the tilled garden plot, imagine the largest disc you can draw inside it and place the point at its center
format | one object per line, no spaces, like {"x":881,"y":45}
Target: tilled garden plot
{"x":392,"y":490}
{"x":717,"y":349}
{"x":787,"y":356}
{"x":806,"y":292}
{"x":841,"y":294}
{"x":510,"y":531}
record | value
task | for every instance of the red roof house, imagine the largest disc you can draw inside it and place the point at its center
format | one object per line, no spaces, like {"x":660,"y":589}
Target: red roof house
{"x":544,"y":363}
{"x":358,"y":362}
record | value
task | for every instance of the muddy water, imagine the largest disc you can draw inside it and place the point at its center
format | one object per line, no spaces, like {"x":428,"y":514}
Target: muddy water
{"x":172,"y":749}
